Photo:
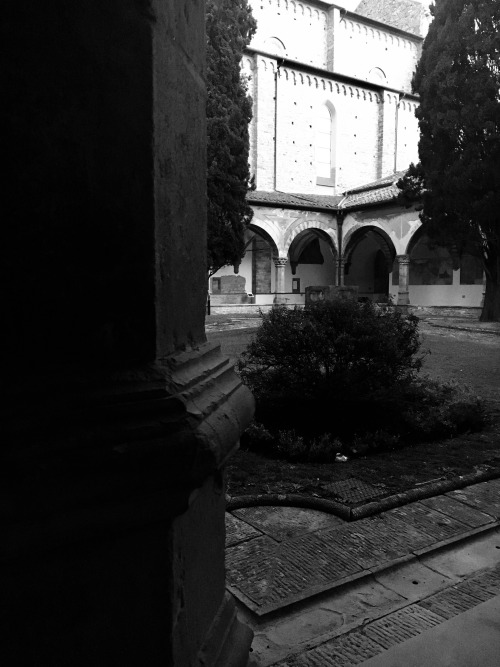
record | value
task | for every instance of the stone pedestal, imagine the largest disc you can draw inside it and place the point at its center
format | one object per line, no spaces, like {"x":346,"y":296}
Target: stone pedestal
{"x":118,"y":416}
{"x":403,"y":289}
{"x":318,"y":293}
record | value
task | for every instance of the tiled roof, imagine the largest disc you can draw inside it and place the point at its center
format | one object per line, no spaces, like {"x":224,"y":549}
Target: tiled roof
{"x":378,"y":192}
{"x":379,"y":183}
{"x":293,"y":199}
{"x":403,"y":14}
{"x":378,"y":196}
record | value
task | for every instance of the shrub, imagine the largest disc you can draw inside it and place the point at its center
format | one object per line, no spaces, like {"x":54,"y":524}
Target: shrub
{"x":257,"y":437}
{"x":379,"y":440}
{"x":329,"y":350}
{"x":324,"y":449}
{"x":291,"y":446}
{"x":433,"y":409}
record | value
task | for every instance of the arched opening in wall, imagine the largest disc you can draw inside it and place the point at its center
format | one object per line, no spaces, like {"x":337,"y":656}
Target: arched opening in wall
{"x":240,"y":284}
{"x":275,"y":46}
{"x":313,"y":260}
{"x":369,"y":257}
{"x":325,"y":137}
{"x":377,"y":75}
{"x":261,"y":249}
{"x":430,"y":264}
{"x":471,"y":267}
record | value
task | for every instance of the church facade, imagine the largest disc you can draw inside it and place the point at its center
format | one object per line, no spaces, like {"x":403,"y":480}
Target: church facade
{"x":333,"y":129}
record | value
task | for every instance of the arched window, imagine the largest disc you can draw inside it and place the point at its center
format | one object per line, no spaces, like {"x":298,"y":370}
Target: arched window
{"x":324,"y":148}
{"x":275,"y":46}
{"x":377,"y":75}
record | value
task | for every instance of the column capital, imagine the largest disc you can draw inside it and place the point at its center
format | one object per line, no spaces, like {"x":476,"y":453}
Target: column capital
{"x":280,"y":261}
{"x":403,"y":259}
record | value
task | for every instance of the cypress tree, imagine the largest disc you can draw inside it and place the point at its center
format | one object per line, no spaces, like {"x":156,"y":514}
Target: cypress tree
{"x":458,"y":80}
{"x":229,"y":28}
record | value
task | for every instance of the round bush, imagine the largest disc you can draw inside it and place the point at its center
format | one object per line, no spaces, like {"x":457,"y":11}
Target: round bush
{"x":332,"y":350}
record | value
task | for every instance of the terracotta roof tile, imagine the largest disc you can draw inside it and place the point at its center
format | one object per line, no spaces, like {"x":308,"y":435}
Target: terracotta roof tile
{"x":293,"y":199}
{"x":377,"y":192}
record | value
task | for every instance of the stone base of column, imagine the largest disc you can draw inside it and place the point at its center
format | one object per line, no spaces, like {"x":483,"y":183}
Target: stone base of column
{"x":113,"y":550}
{"x":403,"y":299}
{"x":229,"y":640}
{"x":280,"y":300}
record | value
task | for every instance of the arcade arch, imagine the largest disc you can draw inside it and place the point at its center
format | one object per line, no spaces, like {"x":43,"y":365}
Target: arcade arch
{"x":313,"y":259}
{"x":368,"y":260}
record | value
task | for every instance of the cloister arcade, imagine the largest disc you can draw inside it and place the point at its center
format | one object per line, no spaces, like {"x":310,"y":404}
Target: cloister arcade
{"x":383,"y":252}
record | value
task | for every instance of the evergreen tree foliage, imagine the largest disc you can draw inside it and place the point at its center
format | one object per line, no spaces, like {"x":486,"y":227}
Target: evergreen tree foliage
{"x":229,"y":29}
{"x":458,"y":178}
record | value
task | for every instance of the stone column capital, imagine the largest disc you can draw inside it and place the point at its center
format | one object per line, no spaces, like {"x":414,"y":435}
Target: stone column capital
{"x":280,"y":261}
{"x":403,"y":259}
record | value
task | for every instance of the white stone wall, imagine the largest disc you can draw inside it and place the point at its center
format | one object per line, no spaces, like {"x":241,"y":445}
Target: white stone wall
{"x":362,"y":48}
{"x":300,"y":27}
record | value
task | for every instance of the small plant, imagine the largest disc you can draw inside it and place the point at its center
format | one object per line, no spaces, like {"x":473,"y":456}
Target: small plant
{"x":257,"y":438}
{"x":324,"y":449}
{"x":442,"y":409}
{"x":291,"y":445}
{"x":377,"y":441}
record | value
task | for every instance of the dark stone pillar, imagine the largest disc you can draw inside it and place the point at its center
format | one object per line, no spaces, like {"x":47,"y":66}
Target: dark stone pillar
{"x":119,"y":417}
{"x":261,"y":266}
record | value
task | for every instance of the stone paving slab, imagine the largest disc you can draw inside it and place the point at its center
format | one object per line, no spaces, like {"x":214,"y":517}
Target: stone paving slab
{"x":464,"y":513}
{"x":282,"y":523}
{"x":484,"y":496}
{"x":449,"y":603}
{"x":400,"y":626}
{"x":278,"y":556}
{"x":403,"y":532}
{"x":428,"y":521}
{"x":365,"y":544}
{"x":238,"y":531}
{"x":347,"y":650}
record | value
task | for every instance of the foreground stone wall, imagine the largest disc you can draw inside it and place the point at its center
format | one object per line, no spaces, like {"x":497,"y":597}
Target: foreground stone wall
{"x":119,"y":417}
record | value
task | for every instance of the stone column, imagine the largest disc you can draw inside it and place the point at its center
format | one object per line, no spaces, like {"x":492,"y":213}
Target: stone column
{"x":341,"y":271}
{"x":280,"y":264}
{"x":119,"y":416}
{"x":403,"y":291}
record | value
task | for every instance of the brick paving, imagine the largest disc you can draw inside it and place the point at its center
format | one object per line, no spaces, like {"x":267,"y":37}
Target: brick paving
{"x":270,"y":571}
{"x":399,"y":626}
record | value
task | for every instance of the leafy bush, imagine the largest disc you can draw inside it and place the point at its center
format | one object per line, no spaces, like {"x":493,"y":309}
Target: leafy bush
{"x":320,"y":373}
{"x":257,"y":438}
{"x":380,"y":440}
{"x":291,"y":445}
{"x":324,"y":449}
{"x":434,"y":409}
{"x":329,"y":350}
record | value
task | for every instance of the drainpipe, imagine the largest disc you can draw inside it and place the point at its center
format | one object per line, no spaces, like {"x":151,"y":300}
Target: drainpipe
{"x":279,"y":62}
{"x":401,"y":97}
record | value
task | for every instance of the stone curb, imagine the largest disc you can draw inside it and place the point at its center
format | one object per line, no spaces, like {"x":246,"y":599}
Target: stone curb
{"x":478,"y":330}
{"x":369,"y":509}
{"x":289,"y":500}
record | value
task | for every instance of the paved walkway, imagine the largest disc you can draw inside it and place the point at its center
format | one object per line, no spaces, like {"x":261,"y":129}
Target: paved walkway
{"x":319,"y":591}
{"x":251,"y":320}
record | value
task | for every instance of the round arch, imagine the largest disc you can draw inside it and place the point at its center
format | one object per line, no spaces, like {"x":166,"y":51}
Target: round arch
{"x":369,"y":256}
{"x":355,"y":236}
{"x":315,"y":225}
{"x":303,"y":240}
{"x":267,"y":230}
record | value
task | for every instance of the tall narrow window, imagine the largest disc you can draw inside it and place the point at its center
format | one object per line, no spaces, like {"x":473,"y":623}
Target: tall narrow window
{"x":325,"y":145}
